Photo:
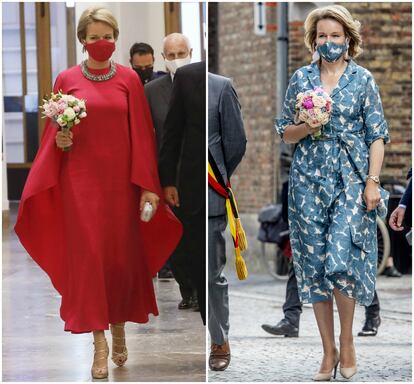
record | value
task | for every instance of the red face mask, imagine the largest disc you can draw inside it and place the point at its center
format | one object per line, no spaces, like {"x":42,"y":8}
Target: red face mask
{"x":101,"y":50}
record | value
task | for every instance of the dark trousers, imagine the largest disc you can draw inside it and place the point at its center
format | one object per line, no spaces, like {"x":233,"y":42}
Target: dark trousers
{"x":373,"y":309}
{"x":194,"y":245}
{"x":292,"y":308}
{"x":218,"y":296}
{"x":180,"y":264}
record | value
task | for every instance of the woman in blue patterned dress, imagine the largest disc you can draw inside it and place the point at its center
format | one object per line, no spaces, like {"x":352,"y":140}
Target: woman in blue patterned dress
{"x":334,"y":192}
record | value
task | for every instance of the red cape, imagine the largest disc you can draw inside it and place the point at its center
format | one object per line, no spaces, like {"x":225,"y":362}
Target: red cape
{"x":41,"y":211}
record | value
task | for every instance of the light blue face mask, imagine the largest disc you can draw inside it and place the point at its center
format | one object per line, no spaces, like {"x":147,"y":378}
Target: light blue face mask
{"x":331,"y":51}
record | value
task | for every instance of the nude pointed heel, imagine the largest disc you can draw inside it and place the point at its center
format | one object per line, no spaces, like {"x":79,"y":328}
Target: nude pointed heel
{"x":326,"y":376}
{"x":347,"y":373}
{"x":119,"y":358}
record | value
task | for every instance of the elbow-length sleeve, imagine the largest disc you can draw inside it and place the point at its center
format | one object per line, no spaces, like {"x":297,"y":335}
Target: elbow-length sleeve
{"x":374,"y":121}
{"x":288,"y":112}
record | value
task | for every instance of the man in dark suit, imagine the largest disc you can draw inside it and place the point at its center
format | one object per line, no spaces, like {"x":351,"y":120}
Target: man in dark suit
{"x":182,"y":166}
{"x":227,"y":145}
{"x":158,"y":92}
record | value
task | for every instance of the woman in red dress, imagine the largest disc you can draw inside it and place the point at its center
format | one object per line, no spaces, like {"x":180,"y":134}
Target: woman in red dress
{"x":79,"y":216}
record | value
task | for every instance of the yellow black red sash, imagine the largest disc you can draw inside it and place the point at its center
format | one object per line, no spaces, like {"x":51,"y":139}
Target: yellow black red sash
{"x":215,"y":180}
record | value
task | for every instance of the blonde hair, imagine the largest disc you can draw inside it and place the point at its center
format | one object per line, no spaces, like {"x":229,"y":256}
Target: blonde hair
{"x":96,"y":14}
{"x":342,"y":16}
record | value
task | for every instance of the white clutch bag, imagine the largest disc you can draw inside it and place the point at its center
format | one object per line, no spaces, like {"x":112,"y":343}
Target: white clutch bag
{"x":147,"y":212}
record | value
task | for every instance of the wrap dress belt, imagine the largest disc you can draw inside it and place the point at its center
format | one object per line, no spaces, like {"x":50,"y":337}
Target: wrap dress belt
{"x":345,"y":166}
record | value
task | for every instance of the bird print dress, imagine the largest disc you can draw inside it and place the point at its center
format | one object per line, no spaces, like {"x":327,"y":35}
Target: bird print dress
{"x":333,"y":236}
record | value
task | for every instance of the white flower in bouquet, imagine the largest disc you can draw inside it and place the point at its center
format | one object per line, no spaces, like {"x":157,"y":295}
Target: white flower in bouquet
{"x":69,"y":99}
{"x":61,"y":122}
{"x":69,"y":114}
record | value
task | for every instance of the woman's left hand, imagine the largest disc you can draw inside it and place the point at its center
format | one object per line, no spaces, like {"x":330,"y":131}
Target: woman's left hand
{"x":372,"y":195}
{"x":151,"y":198}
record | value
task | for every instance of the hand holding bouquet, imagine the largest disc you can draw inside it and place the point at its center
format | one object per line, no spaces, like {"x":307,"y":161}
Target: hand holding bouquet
{"x":314,"y":108}
{"x":65,"y":110}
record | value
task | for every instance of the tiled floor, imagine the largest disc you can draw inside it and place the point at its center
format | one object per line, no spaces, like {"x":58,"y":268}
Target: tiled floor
{"x":170,"y":347}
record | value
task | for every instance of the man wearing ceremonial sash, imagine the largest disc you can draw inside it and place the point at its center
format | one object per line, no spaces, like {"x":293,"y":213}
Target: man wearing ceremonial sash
{"x":226,"y":145}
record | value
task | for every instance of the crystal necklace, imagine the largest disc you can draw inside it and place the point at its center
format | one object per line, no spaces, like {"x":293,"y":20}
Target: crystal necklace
{"x":93,"y":77}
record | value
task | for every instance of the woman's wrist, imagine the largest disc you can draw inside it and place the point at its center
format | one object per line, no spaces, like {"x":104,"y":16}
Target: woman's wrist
{"x":371,"y":183}
{"x":305,"y":130}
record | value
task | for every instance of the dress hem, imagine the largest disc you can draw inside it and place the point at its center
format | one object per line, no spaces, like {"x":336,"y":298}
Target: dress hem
{"x":130,"y":320}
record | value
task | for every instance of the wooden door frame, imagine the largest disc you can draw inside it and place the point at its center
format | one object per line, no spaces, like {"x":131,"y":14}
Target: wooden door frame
{"x":172,"y":17}
{"x":23,"y":60}
{"x":71,"y":36}
{"x":44,"y":57}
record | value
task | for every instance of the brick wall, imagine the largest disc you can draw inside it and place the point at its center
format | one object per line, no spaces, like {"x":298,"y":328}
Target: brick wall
{"x":213,"y":53}
{"x":250,"y":60}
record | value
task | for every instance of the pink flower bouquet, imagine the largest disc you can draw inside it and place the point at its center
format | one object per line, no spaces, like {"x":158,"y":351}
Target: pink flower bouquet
{"x":65,"y":110}
{"x":314,"y":108}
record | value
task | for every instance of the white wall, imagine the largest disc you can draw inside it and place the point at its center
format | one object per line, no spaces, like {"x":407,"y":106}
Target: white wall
{"x":138,"y":22}
{"x":5,"y":200}
{"x":190,"y":26}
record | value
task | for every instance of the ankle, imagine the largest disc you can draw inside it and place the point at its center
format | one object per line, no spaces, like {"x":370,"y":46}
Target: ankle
{"x":118,"y":329}
{"x":330,"y":350}
{"x":100,"y":344}
{"x":346,"y":341}
{"x":98,"y":336}
{"x":118,"y":325}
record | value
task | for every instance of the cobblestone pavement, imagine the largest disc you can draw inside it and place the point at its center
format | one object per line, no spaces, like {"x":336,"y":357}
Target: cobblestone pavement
{"x":258,"y":356}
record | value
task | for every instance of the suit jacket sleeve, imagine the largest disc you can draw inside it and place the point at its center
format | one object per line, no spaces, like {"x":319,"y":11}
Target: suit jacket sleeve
{"x":147,"y":92}
{"x":173,"y":134}
{"x":149,"y":96}
{"x":406,"y":197}
{"x":232,"y":128}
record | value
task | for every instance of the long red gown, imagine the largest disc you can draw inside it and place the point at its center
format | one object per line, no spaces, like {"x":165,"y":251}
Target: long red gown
{"x":79,"y":214}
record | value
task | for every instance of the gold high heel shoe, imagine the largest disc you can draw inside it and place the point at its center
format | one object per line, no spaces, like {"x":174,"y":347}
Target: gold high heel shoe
{"x":100,"y":372}
{"x":119,"y":358}
{"x":326,"y":376}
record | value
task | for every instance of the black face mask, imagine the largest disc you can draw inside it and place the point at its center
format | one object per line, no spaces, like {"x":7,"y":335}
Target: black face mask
{"x":144,"y":74}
